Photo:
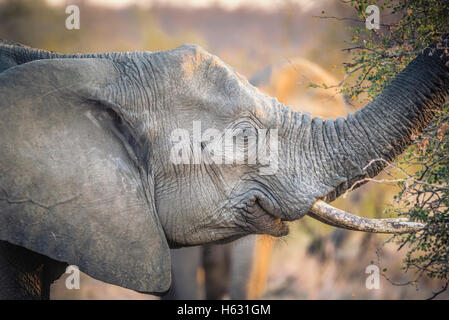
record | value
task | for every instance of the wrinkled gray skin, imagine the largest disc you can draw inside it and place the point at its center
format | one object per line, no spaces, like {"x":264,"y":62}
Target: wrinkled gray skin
{"x":85,"y":175}
{"x":227,"y":267}
{"x":223,"y":277}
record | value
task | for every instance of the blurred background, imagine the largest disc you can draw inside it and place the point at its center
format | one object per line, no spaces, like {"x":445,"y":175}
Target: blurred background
{"x":282,"y":46}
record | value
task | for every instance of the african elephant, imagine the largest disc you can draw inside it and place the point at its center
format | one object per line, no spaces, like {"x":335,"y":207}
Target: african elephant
{"x":91,"y":171}
{"x":239,"y":269}
{"x":242,"y":279}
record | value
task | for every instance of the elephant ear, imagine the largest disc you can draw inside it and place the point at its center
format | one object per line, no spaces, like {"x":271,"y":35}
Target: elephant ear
{"x":71,"y":186}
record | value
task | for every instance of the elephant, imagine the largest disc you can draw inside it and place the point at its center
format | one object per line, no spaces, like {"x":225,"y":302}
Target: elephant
{"x":239,"y":270}
{"x":242,"y":279}
{"x":94,"y":171}
{"x":235,"y":270}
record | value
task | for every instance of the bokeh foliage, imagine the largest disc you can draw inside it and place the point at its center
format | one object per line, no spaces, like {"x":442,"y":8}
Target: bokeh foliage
{"x":38,"y":24}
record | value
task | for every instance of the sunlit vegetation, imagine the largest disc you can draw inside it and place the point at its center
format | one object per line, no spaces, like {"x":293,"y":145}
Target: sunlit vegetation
{"x":423,"y":171}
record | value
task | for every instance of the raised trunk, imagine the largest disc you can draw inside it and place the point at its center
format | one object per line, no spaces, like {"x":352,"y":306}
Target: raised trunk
{"x":345,"y":151}
{"x":374,"y":135}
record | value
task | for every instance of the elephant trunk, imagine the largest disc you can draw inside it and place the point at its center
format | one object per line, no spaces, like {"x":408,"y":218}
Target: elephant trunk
{"x":385,"y":127}
{"x":363,"y":144}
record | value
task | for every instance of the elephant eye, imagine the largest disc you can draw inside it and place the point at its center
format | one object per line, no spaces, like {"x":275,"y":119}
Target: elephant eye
{"x":246,"y":127}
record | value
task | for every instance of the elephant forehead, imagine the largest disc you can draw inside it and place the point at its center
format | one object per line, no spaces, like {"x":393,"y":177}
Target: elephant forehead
{"x":193,"y":58}
{"x":194,"y":67}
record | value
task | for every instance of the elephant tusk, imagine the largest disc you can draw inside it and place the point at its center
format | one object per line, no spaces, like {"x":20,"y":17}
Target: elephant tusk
{"x":342,"y":219}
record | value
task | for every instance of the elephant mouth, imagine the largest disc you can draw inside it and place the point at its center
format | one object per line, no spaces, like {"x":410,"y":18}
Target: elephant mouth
{"x":261,"y":216}
{"x":277,"y":226}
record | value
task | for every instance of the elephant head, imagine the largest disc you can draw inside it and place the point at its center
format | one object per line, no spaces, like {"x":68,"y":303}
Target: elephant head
{"x":90,"y":171}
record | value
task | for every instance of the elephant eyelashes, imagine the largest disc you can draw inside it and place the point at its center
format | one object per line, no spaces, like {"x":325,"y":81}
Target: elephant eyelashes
{"x":115,"y":117}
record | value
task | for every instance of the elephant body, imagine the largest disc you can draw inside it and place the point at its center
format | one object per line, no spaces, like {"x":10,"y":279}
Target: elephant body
{"x":89,"y":170}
